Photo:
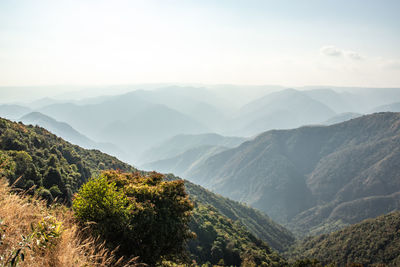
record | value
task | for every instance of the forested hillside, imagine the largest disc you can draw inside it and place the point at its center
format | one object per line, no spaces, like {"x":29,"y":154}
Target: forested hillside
{"x":373,"y":241}
{"x":312,"y":178}
{"x":257,"y":222}
{"x":53,"y":168}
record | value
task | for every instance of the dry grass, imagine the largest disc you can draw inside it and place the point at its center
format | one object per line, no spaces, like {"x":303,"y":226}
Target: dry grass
{"x":19,"y":213}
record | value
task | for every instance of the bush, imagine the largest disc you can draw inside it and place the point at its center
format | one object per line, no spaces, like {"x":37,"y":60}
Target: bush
{"x":145,"y":216}
{"x":100,"y":201}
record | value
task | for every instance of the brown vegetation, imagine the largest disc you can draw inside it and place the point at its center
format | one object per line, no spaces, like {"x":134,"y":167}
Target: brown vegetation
{"x":32,"y":234}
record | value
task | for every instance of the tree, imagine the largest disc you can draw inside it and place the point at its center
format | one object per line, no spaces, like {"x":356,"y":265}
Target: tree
{"x":145,"y":216}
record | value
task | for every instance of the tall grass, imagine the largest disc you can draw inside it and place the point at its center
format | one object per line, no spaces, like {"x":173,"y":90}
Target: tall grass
{"x":34,"y":234}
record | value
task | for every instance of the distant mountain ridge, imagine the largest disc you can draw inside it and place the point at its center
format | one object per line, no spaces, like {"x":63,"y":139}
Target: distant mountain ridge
{"x":393,"y":107}
{"x":179,"y":144}
{"x":68,"y":133}
{"x":13,"y":112}
{"x":309,"y":176}
{"x":128,"y":120}
{"x":280,"y":110}
{"x":184,"y":162}
{"x":341,"y":118}
{"x":224,"y":109}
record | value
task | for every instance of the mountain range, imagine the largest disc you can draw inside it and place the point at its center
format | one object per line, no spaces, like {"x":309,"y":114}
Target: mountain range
{"x":138,"y":120}
{"x":54,"y":168}
{"x":280,"y":110}
{"x":68,"y":133}
{"x":313,"y":177}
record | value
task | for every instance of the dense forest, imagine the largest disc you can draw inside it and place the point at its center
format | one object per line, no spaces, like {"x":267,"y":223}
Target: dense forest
{"x":371,"y":242}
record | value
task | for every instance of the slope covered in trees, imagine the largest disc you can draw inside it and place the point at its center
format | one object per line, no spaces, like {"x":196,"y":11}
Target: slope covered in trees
{"x":257,"y":222}
{"x":54,"y":166}
{"x":373,"y":241}
{"x":38,"y":158}
{"x":221,"y":241}
{"x":313,"y":177}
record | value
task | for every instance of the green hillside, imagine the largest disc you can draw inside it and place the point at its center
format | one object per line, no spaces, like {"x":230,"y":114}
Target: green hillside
{"x":54,"y":166}
{"x":257,"y":222}
{"x":373,"y":241}
{"x":225,"y":242}
{"x":57,"y":169}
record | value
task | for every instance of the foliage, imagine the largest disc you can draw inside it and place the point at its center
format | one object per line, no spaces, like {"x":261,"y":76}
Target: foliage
{"x":33,"y":233}
{"x":220,"y":241}
{"x":46,"y":232}
{"x":258,"y":223}
{"x":54,"y":167}
{"x":44,"y":236}
{"x":143,"y":215}
{"x":371,"y":242}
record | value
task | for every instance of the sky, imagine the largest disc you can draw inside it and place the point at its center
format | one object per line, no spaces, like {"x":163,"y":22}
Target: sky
{"x":248,"y":42}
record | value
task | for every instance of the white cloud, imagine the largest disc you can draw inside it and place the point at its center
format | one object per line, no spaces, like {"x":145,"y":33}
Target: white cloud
{"x":353,"y":55}
{"x":331,"y":51}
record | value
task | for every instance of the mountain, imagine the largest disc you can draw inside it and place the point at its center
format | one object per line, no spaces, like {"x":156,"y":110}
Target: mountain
{"x":354,"y":99}
{"x":184,"y":162}
{"x":42,"y":102}
{"x":336,"y":101}
{"x":178,"y":144}
{"x":257,"y":222}
{"x":13,"y":112}
{"x":280,"y":110}
{"x":393,"y":107}
{"x":341,"y":118}
{"x":149,"y":126}
{"x":68,"y":133}
{"x":369,"y":243}
{"x":61,"y":129}
{"x":199,"y":103}
{"x":315,"y":177}
{"x":129,"y":121}
{"x":38,"y":160}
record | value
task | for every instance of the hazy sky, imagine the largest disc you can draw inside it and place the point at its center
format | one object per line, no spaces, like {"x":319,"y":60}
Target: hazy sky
{"x":309,"y":42}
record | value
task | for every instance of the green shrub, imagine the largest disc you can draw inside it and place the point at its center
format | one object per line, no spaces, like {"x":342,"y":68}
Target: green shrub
{"x":100,"y":201}
{"x":144,"y":216}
